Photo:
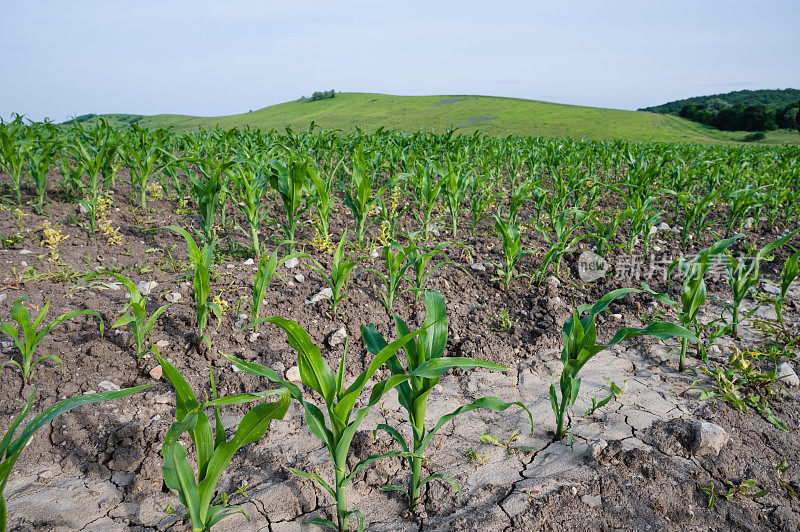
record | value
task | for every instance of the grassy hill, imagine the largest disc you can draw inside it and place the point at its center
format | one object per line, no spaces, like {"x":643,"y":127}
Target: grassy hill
{"x":490,"y":115}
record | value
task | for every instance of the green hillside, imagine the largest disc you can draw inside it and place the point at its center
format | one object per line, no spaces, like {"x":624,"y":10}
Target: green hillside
{"x":490,"y":115}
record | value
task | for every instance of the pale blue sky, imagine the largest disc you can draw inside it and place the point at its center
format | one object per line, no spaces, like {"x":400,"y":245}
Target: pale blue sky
{"x":64,"y":58}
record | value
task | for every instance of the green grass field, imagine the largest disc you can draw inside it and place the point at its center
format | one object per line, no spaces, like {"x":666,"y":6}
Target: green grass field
{"x":488,"y":114}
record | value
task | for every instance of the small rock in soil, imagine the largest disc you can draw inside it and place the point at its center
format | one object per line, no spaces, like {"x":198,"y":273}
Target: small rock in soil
{"x":663,"y":226}
{"x":337,"y":337}
{"x":293,"y":374}
{"x":292,"y":263}
{"x":596,"y":448}
{"x":709,"y":439}
{"x":253,"y":337}
{"x":771,"y":289}
{"x":162,"y":344}
{"x":3,"y":296}
{"x":478,"y":267}
{"x":787,"y":374}
{"x":325,"y":293}
{"x":162,"y":399}
{"x":24,"y":251}
{"x":108,"y":386}
{"x":279,"y":367}
{"x":595,"y":501}
{"x":174,"y":297}
{"x":299,"y":278}
{"x":156,"y":372}
{"x":374,"y":254}
{"x":90,"y":392}
{"x":145,"y":287}
{"x":249,"y":262}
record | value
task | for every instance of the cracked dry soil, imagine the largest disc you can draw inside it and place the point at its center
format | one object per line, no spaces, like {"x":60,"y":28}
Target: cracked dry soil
{"x":98,"y":468}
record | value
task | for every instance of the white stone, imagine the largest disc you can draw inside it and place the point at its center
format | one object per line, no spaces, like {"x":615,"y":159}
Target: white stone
{"x":249,"y":262}
{"x":145,"y":287}
{"x":293,"y":374}
{"x":663,"y":226}
{"x":478,"y":267}
{"x":771,"y":289}
{"x":299,"y":277}
{"x":337,"y":337}
{"x":173,"y":297}
{"x":325,"y":293}
{"x":24,"y":251}
{"x":108,"y":386}
{"x":292,"y":263}
{"x":596,"y":448}
{"x":709,"y":439}
{"x":595,"y":501}
{"x":787,"y":375}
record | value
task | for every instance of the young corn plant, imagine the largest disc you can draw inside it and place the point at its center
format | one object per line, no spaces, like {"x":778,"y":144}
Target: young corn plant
{"x":214,"y":451}
{"x":427,"y":190}
{"x":14,"y":153}
{"x":201,"y":260}
{"x":512,"y":252}
{"x":455,"y":190}
{"x":394,"y":258}
{"x":480,"y":198}
{"x":95,"y":150}
{"x":425,"y":364}
{"x":361,"y":200}
{"x":788,"y":276}
{"x":206,"y":190}
{"x":580,"y":345}
{"x":341,"y":268}
{"x":338,"y":428}
{"x":562,"y":244}
{"x":11,"y":449}
{"x":419,"y":260}
{"x":249,"y":188}
{"x":39,"y":161}
{"x":693,"y":292}
{"x":145,"y":156}
{"x":267,"y":267}
{"x":743,"y":277}
{"x":26,"y":335}
{"x":323,"y":199}
{"x":135,"y":315}
{"x":695,"y":211}
{"x":289,"y":181}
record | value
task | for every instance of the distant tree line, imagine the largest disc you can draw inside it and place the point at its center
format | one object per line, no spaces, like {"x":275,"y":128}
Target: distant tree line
{"x":722,"y":115}
{"x":320,"y":95}
{"x":771,"y":98}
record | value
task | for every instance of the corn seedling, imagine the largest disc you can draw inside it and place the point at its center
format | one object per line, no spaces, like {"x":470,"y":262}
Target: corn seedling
{"x":361,"y":200}
{"x":425,"y":364}
{"x":145,"y":156}
{"x":201,"y":260}
{"x":341,"y":268}
{"x":562,"y":244}
{"x":742,"y":278}
{"x":695,"y":211}
{"x":267,"y":267}
{"x":323,"y":199}
{"x":336,"y":429}
{"x":512,"y":253}
{"x":39,"y":165}
{"x":693,"y":292}
{"x":135,"y":315}
{"x":204,"y":506}
{"x":394,"y":258}
{"x":419,"y":260}
{"x":26,"y":336}
{"x":580,"y":346}
{"x":249,"y":189}
{"x":455,"y":191}
{"x":289,"y":181}
{"x":207,"y":191}
{"x":10,"y":449}
{"x":14,"y":153}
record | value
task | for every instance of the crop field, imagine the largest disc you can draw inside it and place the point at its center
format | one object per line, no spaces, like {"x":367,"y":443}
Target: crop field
{"x":247,"y":330}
